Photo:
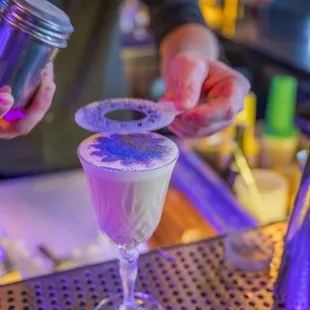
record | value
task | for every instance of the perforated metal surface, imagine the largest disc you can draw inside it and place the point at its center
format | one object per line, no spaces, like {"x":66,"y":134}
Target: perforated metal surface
{"x":197,"y":278}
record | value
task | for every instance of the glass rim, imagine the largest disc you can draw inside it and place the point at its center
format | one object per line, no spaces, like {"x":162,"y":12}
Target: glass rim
{"x":129,"y":171}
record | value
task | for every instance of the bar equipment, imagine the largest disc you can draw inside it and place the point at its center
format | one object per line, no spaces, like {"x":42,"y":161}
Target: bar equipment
{"x":188,"y":283}
{"x":31,"y":34}
{"x":292,"y":285}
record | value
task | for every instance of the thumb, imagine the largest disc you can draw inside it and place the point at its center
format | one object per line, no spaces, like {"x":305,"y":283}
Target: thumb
{"x":6,"y":101}
{"x":191,"y":74}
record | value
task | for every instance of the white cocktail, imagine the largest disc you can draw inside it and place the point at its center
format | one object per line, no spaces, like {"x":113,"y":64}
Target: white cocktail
{"x":128,"y":178}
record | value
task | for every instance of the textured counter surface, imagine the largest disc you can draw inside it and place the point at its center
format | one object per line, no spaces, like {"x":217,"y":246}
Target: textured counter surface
{"x":196,"y":278}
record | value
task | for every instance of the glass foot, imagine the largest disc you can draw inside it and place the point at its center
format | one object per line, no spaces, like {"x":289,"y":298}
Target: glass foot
{"x":143,"y":302}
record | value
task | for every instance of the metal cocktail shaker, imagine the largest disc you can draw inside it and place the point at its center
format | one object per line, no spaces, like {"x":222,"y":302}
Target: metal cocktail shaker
{"x":31,"y":34}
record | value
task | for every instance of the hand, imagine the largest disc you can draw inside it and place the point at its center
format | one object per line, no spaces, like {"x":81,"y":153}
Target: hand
{"x":210,"y":93}
{"x":6,"y":100}
{"x":12,"y":126}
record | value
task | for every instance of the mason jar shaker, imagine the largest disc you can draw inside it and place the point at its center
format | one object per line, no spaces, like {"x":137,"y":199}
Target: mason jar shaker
{"x":31,"y":34}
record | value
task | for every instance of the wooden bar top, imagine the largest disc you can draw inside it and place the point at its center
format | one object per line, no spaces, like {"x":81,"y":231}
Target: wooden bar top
{"x":180,"y":222}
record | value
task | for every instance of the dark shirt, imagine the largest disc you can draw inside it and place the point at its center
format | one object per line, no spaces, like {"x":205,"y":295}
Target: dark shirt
{"x":89,"y":69}
{"x":298,"y":7}
{"x":166,"y":15}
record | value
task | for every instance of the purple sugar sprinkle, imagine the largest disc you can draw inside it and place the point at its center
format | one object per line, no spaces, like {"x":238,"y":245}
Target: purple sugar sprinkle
{"x":130,"y":149}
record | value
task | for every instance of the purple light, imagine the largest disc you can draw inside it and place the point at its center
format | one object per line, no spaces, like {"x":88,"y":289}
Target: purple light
{"x":14,"y":115}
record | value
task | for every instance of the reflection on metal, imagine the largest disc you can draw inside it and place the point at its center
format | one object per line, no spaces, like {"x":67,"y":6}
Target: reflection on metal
{"x":293,"y":283}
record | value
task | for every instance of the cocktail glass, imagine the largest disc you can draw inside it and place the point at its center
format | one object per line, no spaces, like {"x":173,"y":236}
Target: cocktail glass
{"x":128,"y":195}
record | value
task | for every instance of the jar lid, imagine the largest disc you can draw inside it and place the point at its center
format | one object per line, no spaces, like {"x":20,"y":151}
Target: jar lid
{"x":40,"y":19}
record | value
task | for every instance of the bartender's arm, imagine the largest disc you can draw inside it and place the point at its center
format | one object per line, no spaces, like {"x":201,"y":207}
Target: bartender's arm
{"x":10,"y":128}
{"x":209,"y":92}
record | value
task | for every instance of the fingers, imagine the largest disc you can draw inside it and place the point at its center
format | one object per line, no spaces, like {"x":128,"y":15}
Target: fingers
{"x":32,"y":114}
{"x":182,"y":130}
{"x":6,"y":100}
{"x":39,"y":106}
{"x":192,"y":130}
{"x":228,"y":102}
{"x":48,"y":72}
{"x":185,"y":79}
{"x":220,"y":97}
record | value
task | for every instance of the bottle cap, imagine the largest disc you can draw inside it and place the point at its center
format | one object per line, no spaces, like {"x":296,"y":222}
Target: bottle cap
{"x":280,"y":111}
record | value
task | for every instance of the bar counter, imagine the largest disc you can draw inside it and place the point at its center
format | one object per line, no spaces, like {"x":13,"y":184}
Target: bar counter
{"x":180,"y":222}
{"x":195,"y":276}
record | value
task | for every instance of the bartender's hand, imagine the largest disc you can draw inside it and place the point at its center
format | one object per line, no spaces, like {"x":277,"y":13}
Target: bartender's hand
{"x":210,"y":93}
{"x":6,"y":100}
{"x":15,"y":123}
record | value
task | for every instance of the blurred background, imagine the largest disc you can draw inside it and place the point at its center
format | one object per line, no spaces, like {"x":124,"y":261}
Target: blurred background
{"x":44,"y":201}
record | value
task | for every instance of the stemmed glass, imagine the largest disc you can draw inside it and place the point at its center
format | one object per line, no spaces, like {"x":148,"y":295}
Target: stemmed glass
{"x":128,"y":177}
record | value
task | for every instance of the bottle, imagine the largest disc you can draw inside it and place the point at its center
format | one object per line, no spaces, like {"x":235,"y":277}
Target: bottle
{"x":280,"y":136}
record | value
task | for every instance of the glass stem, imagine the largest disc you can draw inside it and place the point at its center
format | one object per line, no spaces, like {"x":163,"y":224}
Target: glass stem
{"x":128,"y":258}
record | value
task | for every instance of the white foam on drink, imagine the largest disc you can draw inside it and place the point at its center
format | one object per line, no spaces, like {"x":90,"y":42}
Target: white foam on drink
{"x":128,"y":153}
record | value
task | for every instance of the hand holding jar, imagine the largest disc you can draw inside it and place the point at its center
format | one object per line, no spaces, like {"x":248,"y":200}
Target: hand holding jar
{"x":12,"y":126}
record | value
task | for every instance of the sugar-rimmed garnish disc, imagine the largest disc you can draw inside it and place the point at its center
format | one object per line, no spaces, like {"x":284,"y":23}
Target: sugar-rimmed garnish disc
{"x":98,"y":116}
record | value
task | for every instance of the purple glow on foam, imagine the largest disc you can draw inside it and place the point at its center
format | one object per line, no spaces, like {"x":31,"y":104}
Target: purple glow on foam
{"x":130,"y":149}
{"x":14,"y":115}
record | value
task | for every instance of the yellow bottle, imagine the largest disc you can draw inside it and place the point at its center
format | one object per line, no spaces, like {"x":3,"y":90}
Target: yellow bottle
{"x":247,"y":119}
